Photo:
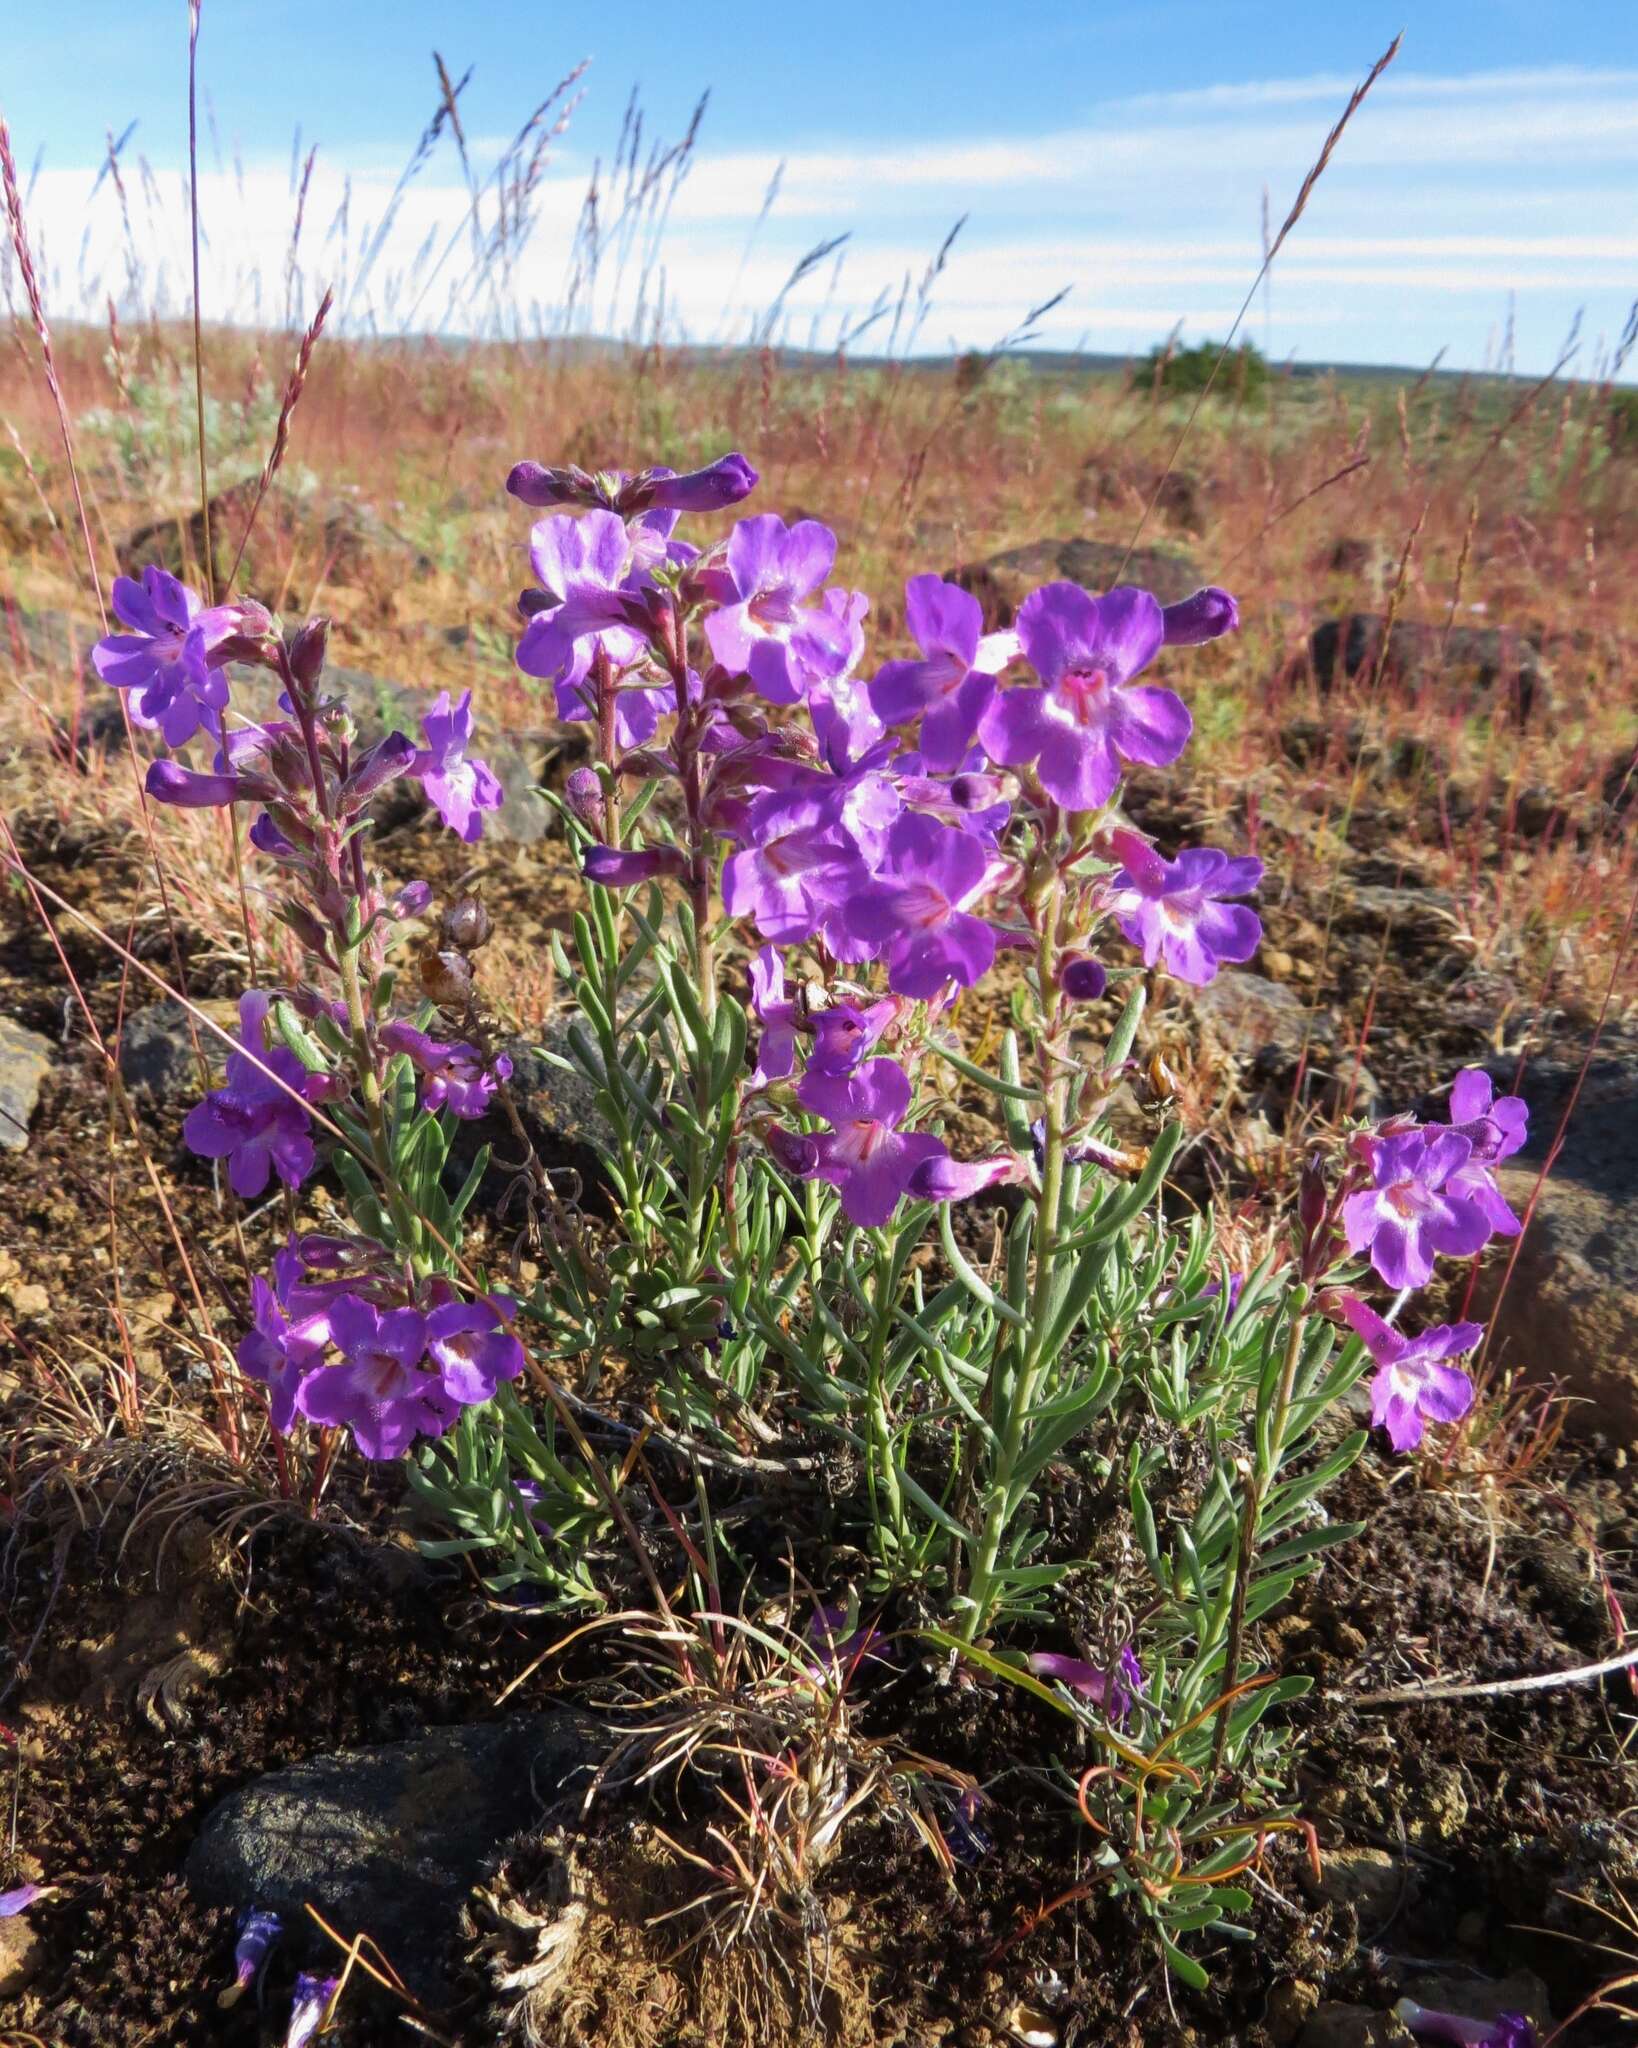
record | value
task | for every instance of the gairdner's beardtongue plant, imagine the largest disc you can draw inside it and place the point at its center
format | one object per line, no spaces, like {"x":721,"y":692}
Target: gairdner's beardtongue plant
{"x":805,"y":871}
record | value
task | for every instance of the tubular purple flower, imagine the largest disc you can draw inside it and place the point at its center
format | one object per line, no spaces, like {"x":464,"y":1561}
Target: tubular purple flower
{"x":284,"y":1342}
{"x":768,"y":631}
{"x":1496,"y":1128}
{"x":1208,"y":615}
{"x":535,"y":484}
{"x":257,"y":1126}
{"x":413,"y":900}
{"x":310,"y":2001}
{"x":165,"y":660}
{"x":583,"y":793}
{"x":955,"y":1180}
{"x":1086,"y":718}
{"x":1427,"y":2023}
{"x":795,"y":865}
{"x":713,"y":489}
{"x":460,"y":789}
{"x":843,"y":1034}
{"x":866,"y":1156}
{"x":1415,"y":1206}
{"x":776,"y":1049}
{"x":1414,"y":1384}
{"x":473,"y":1349}
{"x":623,"y":867}
{"x":258,"y":1931}
{"x":455,"y":1076}
{"x":1175,"y":911}
{"x":951,"y":687}
{"x":20,"y":1898}
{"x":1112,"y":1690}
{"x":795,"y":1150}
{"x":192,"y":790}
{"x":378,"y":1390}
{"x":915,"y":916}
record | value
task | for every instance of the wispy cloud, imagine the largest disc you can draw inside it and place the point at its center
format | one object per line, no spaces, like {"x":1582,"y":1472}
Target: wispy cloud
{"x":1448,"y":197}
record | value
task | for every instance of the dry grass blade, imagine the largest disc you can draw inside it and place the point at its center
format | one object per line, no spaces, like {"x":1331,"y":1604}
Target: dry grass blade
{"x":1316,"y":171}
{"x":281,"y":435}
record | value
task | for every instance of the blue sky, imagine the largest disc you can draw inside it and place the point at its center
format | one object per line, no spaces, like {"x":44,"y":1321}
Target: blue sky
{"x":1489,"y":186}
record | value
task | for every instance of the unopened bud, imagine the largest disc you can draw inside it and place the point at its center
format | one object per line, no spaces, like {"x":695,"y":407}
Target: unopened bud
{"x":583,"y":793}
{"x":308,"y":645}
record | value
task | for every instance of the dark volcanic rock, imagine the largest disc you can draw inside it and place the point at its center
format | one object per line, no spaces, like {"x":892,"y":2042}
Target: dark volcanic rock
{"x":1002,"y":582}
{"x":388,"y":1841}
{"x":157,"y":1061}
{"x":1570,"y":1310}
{"x":558,"y":1110}
{"x":342,"y":535}
{"x":25,"y":1060}
{"x":1487,"y":659}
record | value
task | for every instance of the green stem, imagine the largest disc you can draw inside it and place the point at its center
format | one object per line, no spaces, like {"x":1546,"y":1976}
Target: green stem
{"x":1019,"y":1398}
{"x":1245,"y":1555}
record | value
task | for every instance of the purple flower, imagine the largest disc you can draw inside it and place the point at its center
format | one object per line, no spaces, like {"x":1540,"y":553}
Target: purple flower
{"x":916,"y":916}
{"x":1112,"y":1690}
{"x":280,"y":1348}
{"x":252,"y":1122}
{"x":768,"y":632}
{"x":776,"y":1049}
{"x":167,"y":783}
{"x":309,"y":2002}
{"x":1174,"y":911}
{"x":1208,"y":615}
{"x":713,"y":489}
{"x":1083,"y":980}
{"x":1086,"y":718}
{"x":844,"y":1034}
{"x":1506,"y":2030}
{"x":1414,"y":1208}
{"x":460,"y":790}
{"x":843,"y":717}
{"x":1496,"y":1127}
{"x":865,"y":1154}
{"x":624,"y":867}
{"x":378,"y":1390}
{"x":258,"y":1931}
{"x":20,"y":1899}
{"x":455,"y":1076}
{"x":473,"y":1349}
{"x":950,"y":688}
{"x":1413,"y":1384}
{"x":164,"y":661}
{"x":943,"y":1179}
{"x":591,"y":604}
{"x":796,"y":865}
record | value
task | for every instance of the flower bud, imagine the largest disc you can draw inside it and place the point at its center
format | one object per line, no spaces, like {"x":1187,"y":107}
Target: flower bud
{"x":305,"y":926}
{"x":713,"y":489}
{"x":618,"y":867}
{"x":1208,"y":615}
{"x":308,"y":645}
{"x":386,"y":760}
{"x":942,"y":1179}
{"x":583,"y":793}
{"x":1083,"y":980}
{"x":167,"y":783}
{"x":535,"y":484}
{"x":411,"y":900}
{"x":465,"y":924}
{"x":797,"y":1154}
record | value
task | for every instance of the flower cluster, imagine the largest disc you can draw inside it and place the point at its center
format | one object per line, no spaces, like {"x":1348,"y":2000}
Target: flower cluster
{"x":356,"y":1349}
{"x":896,"y":829}
{"x":1412,"y":1192}
{"x":390,"y":1349}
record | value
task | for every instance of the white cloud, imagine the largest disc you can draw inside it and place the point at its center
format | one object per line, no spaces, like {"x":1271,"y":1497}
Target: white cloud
{"x":1436,"y":208}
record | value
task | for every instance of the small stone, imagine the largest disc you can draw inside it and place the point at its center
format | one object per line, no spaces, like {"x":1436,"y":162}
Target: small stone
{"x":1353,"y":2026}
{"x":21,"y":1953}
{"x":558,"y":1108}
{"x":1369,"y":1880}
{"x":25,"y":1060}
{"x":1291,"y":2005}
{"x":157,"y":1061}
{"x":1258,"y":1020}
